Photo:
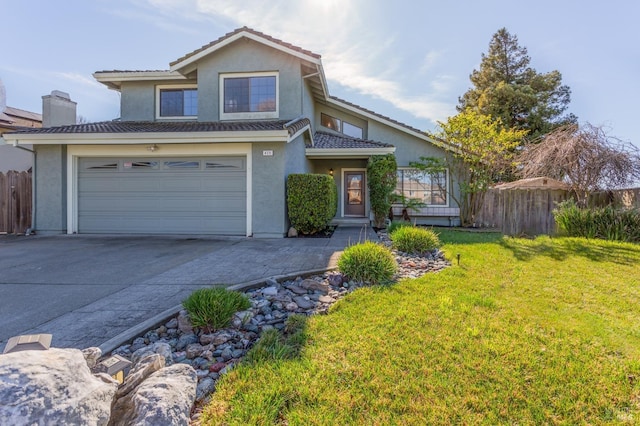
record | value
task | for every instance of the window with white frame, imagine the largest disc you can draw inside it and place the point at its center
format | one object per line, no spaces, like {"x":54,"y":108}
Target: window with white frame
{"x":431,"y":188}
{"x":249,"y":95}
{"x":177,"y":101}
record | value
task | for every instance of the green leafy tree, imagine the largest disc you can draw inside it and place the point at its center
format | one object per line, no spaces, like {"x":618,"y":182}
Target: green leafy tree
{"x":382,"y":178}
{"x":506,"y":87}
{"x":481,"y":150}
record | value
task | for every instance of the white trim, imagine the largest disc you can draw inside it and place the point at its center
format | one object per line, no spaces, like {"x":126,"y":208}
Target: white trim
{"x":161,"y":87}
{"x":365,"y":191}
{"x":347,"y":152}
{"x":147,"y":137}
{"x":76,"y":151}
{"x":194,"y":58}
{"x":447,"y":193}
{"x":115,"y":79}
{"x":306,"y":128}
{"x":249,"y":115}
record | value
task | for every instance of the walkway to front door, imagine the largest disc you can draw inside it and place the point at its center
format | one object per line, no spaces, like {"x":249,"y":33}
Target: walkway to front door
{"x":354,"y":194}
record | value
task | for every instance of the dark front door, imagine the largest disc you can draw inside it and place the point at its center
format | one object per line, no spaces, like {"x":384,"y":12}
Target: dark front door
{"x":354,"y":185}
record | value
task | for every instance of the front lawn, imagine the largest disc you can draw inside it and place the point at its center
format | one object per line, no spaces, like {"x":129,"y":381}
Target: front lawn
{"x":521,"y":332}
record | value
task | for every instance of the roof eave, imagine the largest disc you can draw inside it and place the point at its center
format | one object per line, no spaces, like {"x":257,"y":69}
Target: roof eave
{"x":185,"y":63}
{"x":114,"y":80}
{"x":132,"y":138}
{"x":319,"y":153}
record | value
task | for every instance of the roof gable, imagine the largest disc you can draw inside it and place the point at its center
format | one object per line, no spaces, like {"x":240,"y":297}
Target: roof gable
{"x":244,"y":32}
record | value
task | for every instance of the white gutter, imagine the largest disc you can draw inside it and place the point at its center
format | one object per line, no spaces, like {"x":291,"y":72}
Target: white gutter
{"x":147,"y":137}
{"x":347,"y":152}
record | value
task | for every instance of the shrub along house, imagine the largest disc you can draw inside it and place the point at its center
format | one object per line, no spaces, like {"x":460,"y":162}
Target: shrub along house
{"x":205,"y":147}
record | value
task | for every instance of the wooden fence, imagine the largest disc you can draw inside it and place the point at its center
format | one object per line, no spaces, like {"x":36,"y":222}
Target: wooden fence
{"x":529,"y":211}
{"x":15,"y":202}
{"x":521,"y":211}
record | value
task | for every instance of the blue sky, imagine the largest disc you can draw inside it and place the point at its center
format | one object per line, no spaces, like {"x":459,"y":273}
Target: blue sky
{"x":407,"y":59}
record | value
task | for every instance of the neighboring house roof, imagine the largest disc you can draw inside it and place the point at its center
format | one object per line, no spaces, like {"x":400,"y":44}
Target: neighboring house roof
{"x":21,"y":113}
{"x":12,"y":119}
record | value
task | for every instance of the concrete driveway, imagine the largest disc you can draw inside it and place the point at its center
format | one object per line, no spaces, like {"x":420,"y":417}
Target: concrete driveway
{"x":86,"y":289}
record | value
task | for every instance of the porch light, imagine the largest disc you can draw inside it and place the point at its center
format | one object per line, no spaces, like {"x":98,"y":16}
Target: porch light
{"x":152,"y":148}
{"x":114,"y":366}
{"x":330,"y":172}
{"x":29,"y":342}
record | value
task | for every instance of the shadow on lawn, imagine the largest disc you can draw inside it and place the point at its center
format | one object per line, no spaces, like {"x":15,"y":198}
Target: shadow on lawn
{"x":562,"y":248}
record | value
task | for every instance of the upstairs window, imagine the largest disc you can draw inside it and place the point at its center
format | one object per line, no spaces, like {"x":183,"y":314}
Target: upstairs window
{"x":249,"y":96}
{"x":343,"y":127}
{"x":177,"y":101}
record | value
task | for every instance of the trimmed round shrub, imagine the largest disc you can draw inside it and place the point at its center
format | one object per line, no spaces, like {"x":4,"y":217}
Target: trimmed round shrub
{"x":397,"y":224}
{"x":212,"y":308}
{"x":414,"y":240}
{"x":368,"y":262}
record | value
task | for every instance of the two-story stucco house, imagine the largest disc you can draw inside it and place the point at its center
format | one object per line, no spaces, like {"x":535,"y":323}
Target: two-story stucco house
{"x":205,"y":148}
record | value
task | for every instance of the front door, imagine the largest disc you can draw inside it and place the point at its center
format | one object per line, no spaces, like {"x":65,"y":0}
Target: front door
{"x":354,"y":185}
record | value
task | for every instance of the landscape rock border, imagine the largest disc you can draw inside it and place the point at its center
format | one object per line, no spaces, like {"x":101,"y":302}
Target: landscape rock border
{"x":272,"y":302}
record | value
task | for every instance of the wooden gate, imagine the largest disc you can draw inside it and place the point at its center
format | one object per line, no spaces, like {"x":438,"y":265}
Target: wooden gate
{"x":15,"y":202}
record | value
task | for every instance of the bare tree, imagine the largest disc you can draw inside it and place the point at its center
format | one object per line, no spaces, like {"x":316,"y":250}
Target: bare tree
{"x":584,"y":157}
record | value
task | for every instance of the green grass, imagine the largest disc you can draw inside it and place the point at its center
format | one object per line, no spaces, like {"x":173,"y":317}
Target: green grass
{"x":543,"y":331}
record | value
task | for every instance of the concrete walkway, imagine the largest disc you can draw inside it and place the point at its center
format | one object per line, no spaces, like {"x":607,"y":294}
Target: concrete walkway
{"x":111,"y":319}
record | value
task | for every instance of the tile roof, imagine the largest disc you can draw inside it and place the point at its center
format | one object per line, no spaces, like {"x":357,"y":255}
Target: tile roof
{"x":322,"y":140}
{"x":184,"y":126}
{"x":249,"y":30}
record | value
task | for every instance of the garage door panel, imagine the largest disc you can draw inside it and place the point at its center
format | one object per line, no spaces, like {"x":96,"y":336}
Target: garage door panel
{"x":203,"y":195}
{"x":154,"y":205}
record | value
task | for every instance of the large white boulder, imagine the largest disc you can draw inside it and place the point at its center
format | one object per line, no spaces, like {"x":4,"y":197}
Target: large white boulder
{"x":164,"y":398}
{"x":53,"y":387}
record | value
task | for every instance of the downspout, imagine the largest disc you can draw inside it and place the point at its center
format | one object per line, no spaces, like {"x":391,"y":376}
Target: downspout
{"x":29,"y":230}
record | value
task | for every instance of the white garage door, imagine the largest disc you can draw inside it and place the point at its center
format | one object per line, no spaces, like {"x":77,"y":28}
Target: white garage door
{"x":199,"y":195}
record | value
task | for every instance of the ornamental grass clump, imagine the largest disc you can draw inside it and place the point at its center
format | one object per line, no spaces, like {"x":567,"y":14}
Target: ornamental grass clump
{"x":415,"y":240}
{"x":397,"y":224}
{"x":368,"y":262}
{"x":212,"y":308}
{"x":607,"y":223}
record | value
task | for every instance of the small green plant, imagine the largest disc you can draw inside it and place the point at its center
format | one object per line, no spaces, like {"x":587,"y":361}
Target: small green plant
{"x":415,"y":240}
{"x":212,"y":308}
{"x":368,"y":262}
{"x":397,"y":224}
{"x":274,"y":345}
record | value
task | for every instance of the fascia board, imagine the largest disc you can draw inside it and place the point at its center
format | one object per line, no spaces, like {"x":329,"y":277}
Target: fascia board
{"x":347,"y":153}
{"x":114,"y":80}
{"x":190,"y":60}
{"x":151,"y":137}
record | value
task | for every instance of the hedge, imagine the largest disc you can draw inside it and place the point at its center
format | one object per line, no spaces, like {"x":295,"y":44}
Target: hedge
{"x":312,"y":200}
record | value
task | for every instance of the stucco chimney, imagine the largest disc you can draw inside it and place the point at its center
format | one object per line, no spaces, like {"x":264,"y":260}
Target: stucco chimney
{"x":58,"y":109}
